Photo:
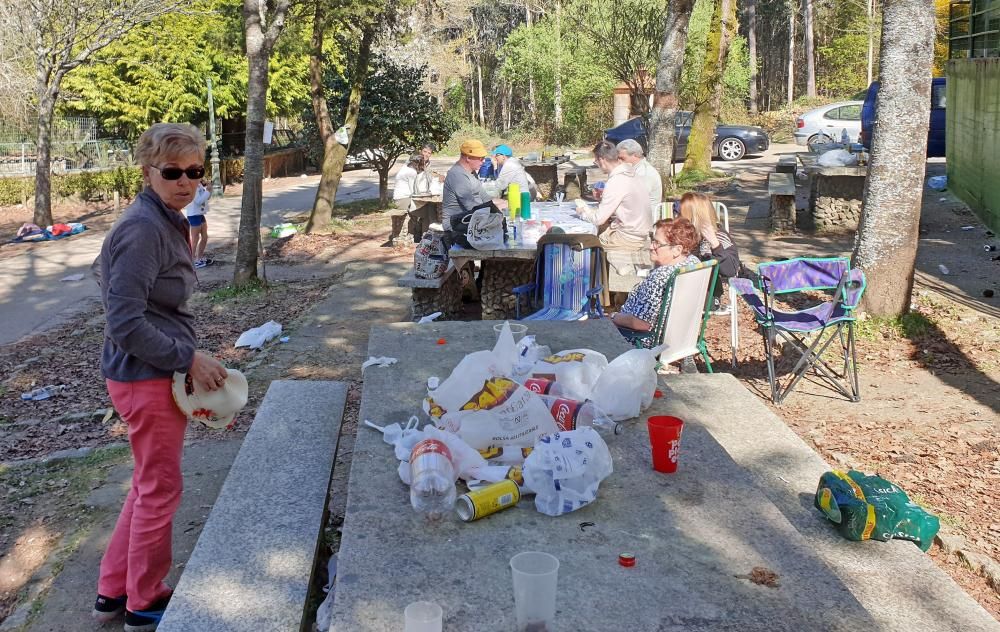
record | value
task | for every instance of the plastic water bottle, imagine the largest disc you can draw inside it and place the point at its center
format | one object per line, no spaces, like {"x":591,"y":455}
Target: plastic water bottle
{"x":571,"y":414}
{"x":432,"y":479}
{"x":845,"y":138}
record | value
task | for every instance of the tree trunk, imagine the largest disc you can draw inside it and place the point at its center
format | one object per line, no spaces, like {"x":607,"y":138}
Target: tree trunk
{"x":43,"y":166}
{"x":320,"y":107}
{"x":751,"y":6}
{"x":886,"y":247}
{"x":334,"y":153}
{"x":791,"y":52}
{"x":482,"y":109}
{"x":807,"y":35}
{"x":706,"y":111}
{"x":871,"y":39}
{"x":248,"y":242}
{"x":662,"y":137}
{"x":532,"y":106}
{"x":383,"y":184}
{"x":557,"y":96}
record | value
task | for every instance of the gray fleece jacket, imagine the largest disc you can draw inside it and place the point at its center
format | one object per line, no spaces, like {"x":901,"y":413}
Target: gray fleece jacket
{"x":146,"y":277}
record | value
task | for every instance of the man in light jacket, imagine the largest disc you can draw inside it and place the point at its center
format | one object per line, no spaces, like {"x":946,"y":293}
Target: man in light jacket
{"x":511,"y":171}
{"x":630,"y":152}
{"x":624,"y":215}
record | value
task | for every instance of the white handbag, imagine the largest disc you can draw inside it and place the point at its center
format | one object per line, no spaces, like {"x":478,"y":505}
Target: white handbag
{"x":485,"y":230}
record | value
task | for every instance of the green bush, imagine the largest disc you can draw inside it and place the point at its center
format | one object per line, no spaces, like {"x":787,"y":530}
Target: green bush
{"x":87,"y":185}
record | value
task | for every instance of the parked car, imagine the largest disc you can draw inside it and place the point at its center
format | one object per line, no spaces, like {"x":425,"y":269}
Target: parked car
{"x":935,"y":131}
{"x":361,"y":160}
{"x":732,"y":142}
{"x":827,"y":124}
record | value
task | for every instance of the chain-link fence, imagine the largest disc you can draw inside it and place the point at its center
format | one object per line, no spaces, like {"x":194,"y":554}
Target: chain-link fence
{"x":974,"y":29}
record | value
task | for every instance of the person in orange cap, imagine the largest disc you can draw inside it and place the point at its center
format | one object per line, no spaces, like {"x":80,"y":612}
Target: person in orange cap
{"x":462,"y":189}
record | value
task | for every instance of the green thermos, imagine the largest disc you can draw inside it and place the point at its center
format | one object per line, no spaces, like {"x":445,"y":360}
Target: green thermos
{"x":525,"y":205}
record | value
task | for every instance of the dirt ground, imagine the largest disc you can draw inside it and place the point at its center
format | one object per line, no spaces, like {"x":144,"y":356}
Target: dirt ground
{"x":927,"y":420}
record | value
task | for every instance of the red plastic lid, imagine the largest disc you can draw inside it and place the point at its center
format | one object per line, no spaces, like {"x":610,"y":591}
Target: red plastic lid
{"x":627,"y":560}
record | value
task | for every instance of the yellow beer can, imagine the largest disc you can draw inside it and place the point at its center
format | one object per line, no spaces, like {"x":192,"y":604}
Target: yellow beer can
{"x":487,"y":500}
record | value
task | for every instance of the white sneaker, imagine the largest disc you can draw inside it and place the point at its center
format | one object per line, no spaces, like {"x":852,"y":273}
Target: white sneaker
{"x":200,"y":263}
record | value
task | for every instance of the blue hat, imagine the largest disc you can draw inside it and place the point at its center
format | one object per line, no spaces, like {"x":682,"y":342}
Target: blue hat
{"x":503,"y":150}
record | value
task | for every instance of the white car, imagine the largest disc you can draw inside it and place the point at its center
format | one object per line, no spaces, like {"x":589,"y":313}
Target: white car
{"x":827,"y":124}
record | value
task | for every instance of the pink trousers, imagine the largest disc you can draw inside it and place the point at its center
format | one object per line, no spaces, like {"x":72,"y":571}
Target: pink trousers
{"x":138,"y":557}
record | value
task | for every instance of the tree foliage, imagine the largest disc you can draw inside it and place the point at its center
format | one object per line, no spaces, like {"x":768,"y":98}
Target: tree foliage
{"x":397,"y":115}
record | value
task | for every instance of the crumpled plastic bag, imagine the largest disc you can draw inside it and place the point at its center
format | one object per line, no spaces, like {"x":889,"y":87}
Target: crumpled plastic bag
{"x":283,"y":230}
{"x":575,"y":370}
{"x":565,"y":470}
{"x":872,"y":508}
{"x":324,"y":614}
{"x":837,"y":158}
{"x":482,"y":403}
{"x":382,"y":361}
{"x":258,"y":336}
{"x":343,"y":135}
{"x":937,"y":183}
{"x":626,"y":387}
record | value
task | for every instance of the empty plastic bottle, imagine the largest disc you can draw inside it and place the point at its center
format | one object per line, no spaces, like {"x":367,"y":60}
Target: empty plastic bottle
{"x":432,"y":479}
{"x":543,"y":386}
{"x":571,"y":414}
{"x":43,"y":392}
{"x":845,"y":138}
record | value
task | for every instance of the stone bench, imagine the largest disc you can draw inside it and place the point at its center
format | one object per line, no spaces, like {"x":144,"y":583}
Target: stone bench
{"x":253,"y":565}
{"x":434,"y":295}
{"x":781,"y":188}
{"x":787,"y":164}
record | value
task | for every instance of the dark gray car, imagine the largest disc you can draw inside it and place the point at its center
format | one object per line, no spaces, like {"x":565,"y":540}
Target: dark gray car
{"x":732,"y":142}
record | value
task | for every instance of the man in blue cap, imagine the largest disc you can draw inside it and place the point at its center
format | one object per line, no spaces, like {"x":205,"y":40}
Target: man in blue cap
{"x":511,"y":171}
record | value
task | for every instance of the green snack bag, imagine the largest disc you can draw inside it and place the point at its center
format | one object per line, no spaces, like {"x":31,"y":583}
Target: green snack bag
{"x":872,"y":508}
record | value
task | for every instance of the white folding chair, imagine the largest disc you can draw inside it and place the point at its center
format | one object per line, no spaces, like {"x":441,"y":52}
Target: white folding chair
{"x":722,"y":213}
{"x":681,"y":326}
{"x":660,"y":212}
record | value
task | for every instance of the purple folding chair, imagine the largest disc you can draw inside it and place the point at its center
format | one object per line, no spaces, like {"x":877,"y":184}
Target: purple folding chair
{"x":830,"y":320}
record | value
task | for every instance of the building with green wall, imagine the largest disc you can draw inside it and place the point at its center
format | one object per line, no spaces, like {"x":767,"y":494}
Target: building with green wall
{"x":973,"y":110}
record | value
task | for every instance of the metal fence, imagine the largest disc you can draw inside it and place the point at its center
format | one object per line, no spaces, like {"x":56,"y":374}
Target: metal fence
{"x":974,"y":29}
{"x":19,"y":158}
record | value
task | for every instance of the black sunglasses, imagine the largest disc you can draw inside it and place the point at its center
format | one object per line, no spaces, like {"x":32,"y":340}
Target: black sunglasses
{"x":175,"y":173}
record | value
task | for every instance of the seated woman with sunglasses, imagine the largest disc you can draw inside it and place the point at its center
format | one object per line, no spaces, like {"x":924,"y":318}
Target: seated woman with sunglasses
{"x":146,"y":275}
{"x":670,"y":248}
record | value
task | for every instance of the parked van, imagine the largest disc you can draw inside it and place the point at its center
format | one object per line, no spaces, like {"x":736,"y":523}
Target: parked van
{"x":935,"y":132}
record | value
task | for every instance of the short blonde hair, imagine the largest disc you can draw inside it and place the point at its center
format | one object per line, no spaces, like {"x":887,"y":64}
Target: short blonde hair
{"x":697,"y":208}
{"x":164,"y":142}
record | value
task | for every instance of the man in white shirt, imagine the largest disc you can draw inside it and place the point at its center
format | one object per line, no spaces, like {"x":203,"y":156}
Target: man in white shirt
{"x":624,"y":214}
{"x":511,"y":171}
{"x":630,"y":152}
{"x":411,"y":180}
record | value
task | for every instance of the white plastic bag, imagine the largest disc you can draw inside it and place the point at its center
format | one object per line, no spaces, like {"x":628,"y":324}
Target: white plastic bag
{"x":576,"y":371}
{"x":256,"y":338}
{"x":342,"y":135}
{"x":625,"y":388}
{"x":485,"y":230}
{"x":565,"y":470}
{"x":484,"y":405}
{"x":837,"y":158}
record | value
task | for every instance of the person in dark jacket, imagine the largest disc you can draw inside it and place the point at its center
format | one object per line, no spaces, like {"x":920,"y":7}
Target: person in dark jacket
{"x":715,"y":243}
{"x":146,"y":273}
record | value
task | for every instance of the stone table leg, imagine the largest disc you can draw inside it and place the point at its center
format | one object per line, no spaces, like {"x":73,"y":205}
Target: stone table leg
{"x":499,"y":278}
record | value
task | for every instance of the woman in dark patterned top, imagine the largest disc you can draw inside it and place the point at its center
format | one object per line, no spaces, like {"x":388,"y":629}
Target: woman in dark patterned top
{"x":670,"y":248}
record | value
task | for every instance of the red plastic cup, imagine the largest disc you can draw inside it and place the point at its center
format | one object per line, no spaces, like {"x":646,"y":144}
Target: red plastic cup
{"x":665,"y":441}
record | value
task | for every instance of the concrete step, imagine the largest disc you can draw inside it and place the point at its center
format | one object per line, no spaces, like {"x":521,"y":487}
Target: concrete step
{"x":252,"y":566}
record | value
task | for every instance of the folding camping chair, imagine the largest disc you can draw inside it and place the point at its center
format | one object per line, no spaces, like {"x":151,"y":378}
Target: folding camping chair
{"x":567,"y":281}
{"x":684,"y":311}
{"x":830,"y":320}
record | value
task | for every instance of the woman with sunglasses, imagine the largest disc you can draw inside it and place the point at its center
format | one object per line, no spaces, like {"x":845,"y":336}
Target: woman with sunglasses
{"x":670,"y":248}
{"x":147,"y":275}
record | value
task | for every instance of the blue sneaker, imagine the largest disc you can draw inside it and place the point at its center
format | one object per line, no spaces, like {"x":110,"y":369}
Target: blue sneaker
{"x":107,"y":608}
{"x":148,"y":619}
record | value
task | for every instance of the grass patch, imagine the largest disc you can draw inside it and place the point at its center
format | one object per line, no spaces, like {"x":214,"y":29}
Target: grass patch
{"x":254,"y":288}
{"x":350,"y":210}
{"x":689,"y":179}
{"x":912,"y":325}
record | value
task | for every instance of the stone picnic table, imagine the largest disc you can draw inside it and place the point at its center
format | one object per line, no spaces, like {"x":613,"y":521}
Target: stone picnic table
{"x":741,"y":499}
{"x":514,"y":264}
{"x":835,"y":194}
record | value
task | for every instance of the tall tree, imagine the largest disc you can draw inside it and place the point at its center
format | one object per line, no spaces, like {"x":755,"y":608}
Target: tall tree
{"x":262,"y":24}
{"x":61,"y":36}
{"x":886,"y":247}
{"x":668,"y":78}
{"x":706,"y":111}
{"x":751,"y":11}
{"x":791,"y":51}
{"x":810,"y":47}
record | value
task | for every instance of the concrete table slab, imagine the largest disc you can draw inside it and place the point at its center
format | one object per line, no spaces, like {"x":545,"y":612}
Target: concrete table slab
{"x":692,"y":532}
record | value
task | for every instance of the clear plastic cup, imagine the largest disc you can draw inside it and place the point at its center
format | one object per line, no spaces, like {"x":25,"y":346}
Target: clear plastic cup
{"x":535,"y":576}
{"x":517,"y":329}
{"x":423,"y":616}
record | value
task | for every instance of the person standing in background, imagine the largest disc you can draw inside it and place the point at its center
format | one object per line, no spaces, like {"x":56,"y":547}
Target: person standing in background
{"x":630,"y":152}
{"x":195,"y":214}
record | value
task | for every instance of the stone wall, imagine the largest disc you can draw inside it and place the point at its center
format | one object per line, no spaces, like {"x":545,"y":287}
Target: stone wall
{"x":834,"y":203}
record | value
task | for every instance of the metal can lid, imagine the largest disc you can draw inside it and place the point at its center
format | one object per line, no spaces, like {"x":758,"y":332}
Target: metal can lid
{"x":626,"y":559}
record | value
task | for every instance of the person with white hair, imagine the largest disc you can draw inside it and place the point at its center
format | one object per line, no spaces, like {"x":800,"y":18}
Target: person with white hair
{"x":630,"y":152}
{"x":623,"y":215}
